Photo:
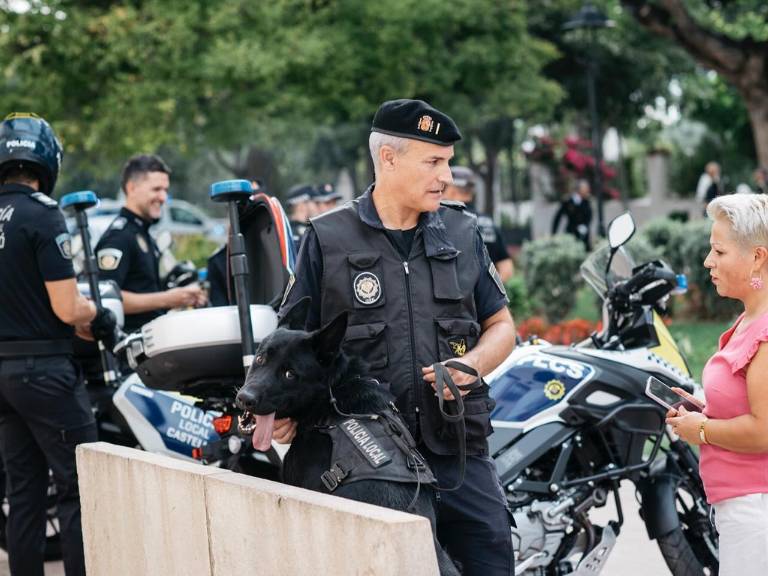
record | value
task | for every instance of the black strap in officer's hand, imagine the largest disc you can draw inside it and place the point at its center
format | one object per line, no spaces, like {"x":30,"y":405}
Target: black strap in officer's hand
{"x":443,"y":379}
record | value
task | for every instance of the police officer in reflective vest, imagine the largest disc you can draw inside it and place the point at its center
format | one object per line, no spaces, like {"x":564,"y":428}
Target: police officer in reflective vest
{"x":127,"y":253}
{"x":414,"y":275}
{"x":44,"y":407}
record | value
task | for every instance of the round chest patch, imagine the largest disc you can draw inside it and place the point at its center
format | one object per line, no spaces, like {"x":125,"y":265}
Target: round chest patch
{"x":367,"y":288}
{"x":554,"y":390}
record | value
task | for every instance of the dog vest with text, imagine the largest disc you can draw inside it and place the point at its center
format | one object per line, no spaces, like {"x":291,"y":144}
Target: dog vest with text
{"x":376,"y":447}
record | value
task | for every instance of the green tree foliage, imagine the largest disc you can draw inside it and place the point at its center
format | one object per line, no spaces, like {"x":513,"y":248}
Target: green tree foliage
{"x":253,"y":80}
{"x":730,"y":38}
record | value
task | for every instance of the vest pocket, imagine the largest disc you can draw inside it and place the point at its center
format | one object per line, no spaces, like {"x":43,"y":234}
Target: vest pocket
{"x":456,"y":337}
{"x":367,"y":279}
{"x":368,"y":342}
{"x":477,"y":419}
{"x":445,"y":279}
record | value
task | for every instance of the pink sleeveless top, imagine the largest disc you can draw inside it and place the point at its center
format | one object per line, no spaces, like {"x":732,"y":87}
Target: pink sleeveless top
{"x":728,"y":474}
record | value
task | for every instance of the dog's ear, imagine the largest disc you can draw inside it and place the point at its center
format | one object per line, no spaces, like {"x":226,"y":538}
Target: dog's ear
{"x":295,"y":317}
{"x":327,"y":340}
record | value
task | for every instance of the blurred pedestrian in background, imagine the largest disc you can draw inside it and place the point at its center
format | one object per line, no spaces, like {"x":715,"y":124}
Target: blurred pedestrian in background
{"x":577,"y":210}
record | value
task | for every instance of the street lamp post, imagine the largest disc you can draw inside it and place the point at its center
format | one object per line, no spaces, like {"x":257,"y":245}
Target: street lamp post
{"x":589,"y":18}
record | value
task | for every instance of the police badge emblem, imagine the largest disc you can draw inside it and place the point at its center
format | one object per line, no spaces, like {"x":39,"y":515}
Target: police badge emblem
{"x":367,"y":288}
{"x":554,"y":390}
{"x":64,"y":242}
{"x":109,"y":258}
{"x":458,"y":346}
{"x":142,"y":243}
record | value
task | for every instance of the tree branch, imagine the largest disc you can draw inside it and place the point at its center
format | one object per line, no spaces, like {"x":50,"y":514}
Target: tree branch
{"x":669,"y":18}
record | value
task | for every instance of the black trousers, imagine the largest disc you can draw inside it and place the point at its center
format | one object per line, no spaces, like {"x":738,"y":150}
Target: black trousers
{"x":473,"y":522}
{"x":44,"y":414}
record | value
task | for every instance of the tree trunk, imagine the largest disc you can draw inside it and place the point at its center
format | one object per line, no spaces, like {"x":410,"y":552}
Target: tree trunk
{"x":758,"y":118}
{"x":743,"y":63}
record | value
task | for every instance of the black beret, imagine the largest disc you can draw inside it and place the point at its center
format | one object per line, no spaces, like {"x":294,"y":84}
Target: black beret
{"x":300,"y":193}
{"x":417,"y":120}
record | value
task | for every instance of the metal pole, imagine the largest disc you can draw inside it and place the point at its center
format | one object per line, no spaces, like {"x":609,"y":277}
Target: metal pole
{"x":108,"y":364}
{"x":597,"y":143}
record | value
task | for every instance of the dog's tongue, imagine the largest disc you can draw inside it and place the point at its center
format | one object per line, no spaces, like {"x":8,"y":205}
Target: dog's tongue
{"x":262,"y":435}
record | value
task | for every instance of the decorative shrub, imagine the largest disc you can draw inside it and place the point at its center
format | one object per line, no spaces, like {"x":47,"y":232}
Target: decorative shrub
{"x":551,"y":273}
{"x":666,"y":236}
{"x":567,"y":332}
{"x":519,"y":300}
{"x":195,"y":248}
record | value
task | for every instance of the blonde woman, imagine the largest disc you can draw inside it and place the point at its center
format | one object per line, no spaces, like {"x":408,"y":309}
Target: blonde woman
{"x":733,"y":428}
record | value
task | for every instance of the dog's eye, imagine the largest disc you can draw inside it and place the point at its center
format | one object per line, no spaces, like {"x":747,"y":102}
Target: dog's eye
{"x":290,"y":374}
{"x":259,"y":360}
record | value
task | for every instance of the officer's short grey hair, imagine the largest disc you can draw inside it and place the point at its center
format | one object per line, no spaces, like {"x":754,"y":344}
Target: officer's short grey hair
{"x":747,"y":215}
{"x":377,"y":139}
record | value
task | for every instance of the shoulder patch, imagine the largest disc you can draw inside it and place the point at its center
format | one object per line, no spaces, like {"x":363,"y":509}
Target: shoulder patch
{"x":109,"y":258}
{"x":455,"y":204}
{"x":118,"y":223}
{"x":44,"y":199}
{"x":64,"y":242}
{"x":494,"y":274}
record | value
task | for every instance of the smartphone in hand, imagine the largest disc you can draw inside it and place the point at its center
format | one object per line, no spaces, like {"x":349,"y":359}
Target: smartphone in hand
{"x":662,"y":394}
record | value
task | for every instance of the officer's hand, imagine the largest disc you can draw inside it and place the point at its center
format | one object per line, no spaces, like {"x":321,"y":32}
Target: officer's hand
{"x":459,"y":378}
{"x":184,"y":296}
{"x":103,"y":327}
{"x":83,"y":331}
{"x":284,"y":430}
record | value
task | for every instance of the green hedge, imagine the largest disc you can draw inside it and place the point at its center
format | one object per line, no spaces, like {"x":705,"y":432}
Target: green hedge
{"x":550,"y":268}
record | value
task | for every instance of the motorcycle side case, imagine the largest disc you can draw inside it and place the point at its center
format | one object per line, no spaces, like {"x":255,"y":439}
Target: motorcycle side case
{"x":182,"y":349}
{"x":164,"y":422}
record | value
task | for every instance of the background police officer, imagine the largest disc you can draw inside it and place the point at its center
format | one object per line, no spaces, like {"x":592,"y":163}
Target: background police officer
{"x":127,"y":253}
{"x":462,"y":189}
{"x":420,"y":288}
{"x":301,"y":207}
{"x":326,"y":198}
{"x":44,"y":408}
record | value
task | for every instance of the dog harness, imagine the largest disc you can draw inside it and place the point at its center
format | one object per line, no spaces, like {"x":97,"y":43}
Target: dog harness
{"x":372,"y":447}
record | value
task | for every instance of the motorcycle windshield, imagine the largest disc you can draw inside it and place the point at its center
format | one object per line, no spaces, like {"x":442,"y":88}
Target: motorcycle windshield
{"x":593,"y":269}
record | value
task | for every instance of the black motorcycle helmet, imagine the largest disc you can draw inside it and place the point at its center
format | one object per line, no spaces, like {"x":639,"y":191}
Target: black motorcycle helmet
{"x":27,"y":141}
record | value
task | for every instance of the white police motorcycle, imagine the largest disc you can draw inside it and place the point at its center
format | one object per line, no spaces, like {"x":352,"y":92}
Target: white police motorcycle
{"x":572,"y":422}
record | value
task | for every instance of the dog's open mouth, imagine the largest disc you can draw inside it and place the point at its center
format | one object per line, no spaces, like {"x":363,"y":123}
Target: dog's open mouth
{"x":259,"y":426}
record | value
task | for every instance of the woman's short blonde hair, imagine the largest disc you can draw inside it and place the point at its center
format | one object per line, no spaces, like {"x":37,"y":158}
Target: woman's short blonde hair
{"x":747,"y":215}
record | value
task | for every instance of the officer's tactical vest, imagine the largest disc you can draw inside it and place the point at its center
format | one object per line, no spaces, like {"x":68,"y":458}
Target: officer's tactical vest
{"x":405,"y":315}
{"x":378,"y":447}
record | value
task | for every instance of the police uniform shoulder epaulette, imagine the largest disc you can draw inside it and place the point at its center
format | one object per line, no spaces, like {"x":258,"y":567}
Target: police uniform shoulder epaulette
{"x":455,"y":204}
{"x":118,"y":223}
{"x":44,"y":199}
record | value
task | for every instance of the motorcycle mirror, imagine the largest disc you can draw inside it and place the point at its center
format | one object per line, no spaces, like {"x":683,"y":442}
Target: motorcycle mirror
{"x":620,"y":230}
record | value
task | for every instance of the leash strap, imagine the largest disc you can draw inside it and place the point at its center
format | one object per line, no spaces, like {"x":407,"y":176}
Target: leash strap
{"x":442,"y":380}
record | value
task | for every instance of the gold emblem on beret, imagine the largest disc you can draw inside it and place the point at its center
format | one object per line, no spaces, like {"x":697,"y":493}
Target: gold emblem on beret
{"x":554,"y":390}
{"x":426,"y":123}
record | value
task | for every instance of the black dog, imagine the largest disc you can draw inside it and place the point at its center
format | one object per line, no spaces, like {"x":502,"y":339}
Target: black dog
{"x":301,"y":375}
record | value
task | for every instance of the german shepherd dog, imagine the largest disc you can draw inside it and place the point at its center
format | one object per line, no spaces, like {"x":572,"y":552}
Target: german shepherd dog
{"x":291,"y":377}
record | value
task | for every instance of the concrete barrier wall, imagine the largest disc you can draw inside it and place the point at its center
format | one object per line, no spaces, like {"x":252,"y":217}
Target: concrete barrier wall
{"x":146,"y":514}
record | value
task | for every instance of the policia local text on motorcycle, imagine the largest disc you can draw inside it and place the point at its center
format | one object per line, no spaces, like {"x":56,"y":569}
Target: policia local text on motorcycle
{"x":44,"y":407}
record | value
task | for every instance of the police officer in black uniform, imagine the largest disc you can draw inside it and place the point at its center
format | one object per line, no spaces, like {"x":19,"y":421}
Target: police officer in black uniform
{"x":578,"y":214}
{"x":463,"y":190}
{"x":127,"y":253}
{"x":301,"y":207}
{"x":414,"y":275}
{"x":326,"y":198}
{"x":44,"y":408}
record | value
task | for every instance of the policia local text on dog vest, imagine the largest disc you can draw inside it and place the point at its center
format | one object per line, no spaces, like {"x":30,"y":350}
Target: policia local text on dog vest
{"x":407,"y":314}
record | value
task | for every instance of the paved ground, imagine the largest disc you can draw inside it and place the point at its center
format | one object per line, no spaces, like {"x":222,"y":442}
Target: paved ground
{"x":633,"y":555}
